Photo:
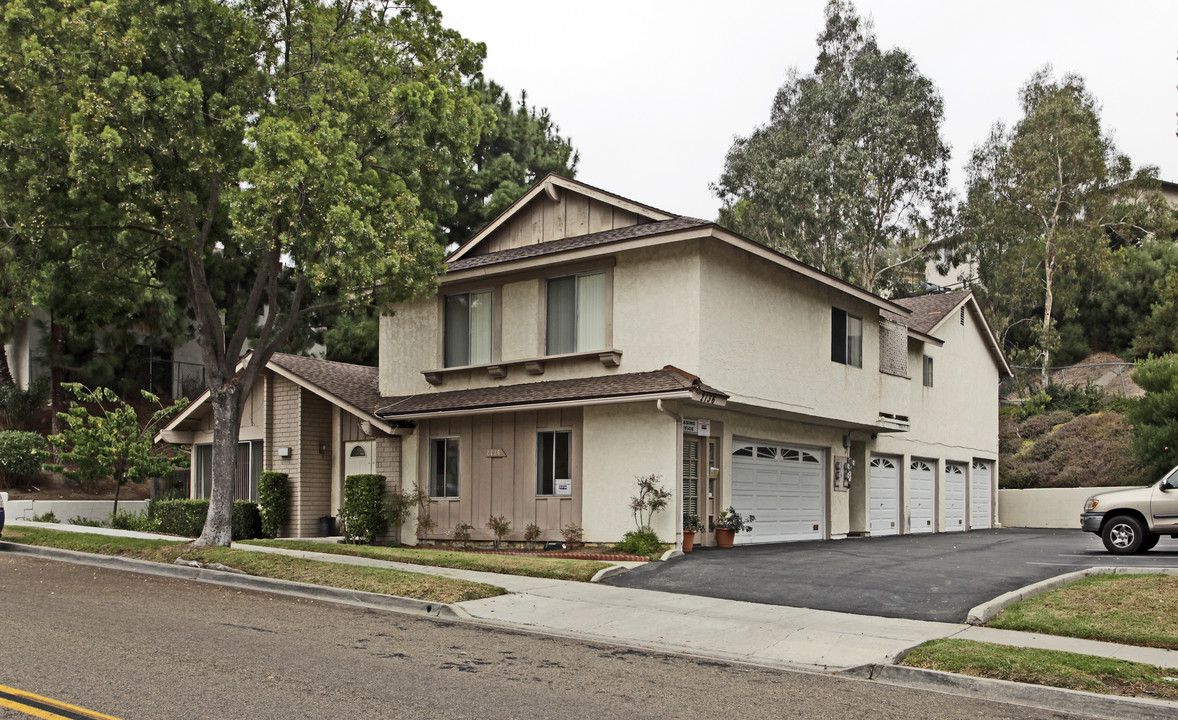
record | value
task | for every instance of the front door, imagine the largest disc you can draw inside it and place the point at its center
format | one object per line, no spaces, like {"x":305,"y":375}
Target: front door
{"x":699,"y":488}
{"x":358,"y":458}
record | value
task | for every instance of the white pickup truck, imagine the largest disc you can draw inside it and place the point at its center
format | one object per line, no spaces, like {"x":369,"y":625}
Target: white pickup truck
{"x":1134,"y":519}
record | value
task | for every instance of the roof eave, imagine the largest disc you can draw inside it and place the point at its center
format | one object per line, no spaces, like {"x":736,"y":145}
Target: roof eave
{"x":694,"y":394}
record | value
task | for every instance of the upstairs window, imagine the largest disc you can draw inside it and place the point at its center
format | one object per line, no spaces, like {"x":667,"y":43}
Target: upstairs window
{"x":576,"y":314}
{"x":928,"y":371}
{"x":470,"y":328}
{"x":846,"y":338}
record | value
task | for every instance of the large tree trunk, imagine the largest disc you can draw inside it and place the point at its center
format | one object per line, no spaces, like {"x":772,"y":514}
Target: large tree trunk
{"x":1048,"y":303}
{"x":226,"y":398}
{"x":56,"y":375}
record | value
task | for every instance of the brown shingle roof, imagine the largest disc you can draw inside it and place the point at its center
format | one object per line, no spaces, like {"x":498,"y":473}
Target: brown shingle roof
{"x":928,"y":310}
{"x":577,"y":242}
{"x":667,"y":380}
{"x":357,"y":385}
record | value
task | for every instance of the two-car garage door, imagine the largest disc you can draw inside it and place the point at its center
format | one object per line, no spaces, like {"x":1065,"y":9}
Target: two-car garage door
{"x":783,"y":486}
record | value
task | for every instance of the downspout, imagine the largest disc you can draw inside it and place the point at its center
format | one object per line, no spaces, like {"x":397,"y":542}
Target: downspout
{"x":678,"y":472}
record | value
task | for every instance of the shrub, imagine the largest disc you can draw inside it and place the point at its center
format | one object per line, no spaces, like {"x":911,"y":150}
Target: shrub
{"x":1087,"y":451}
{"x":651,"y":498}
{"x":573,"y":535}
{"x":83,"y":521}
{"x":399,"y":506}
{"x":499,"y":525}
{"x":187,"y":518}
{"x":21,"y":454}
{"x":17,"y":406}
{"x":273,"y":502}
{"x":462,"y":534}
{"x":48,"y":517}
{"x":363,"y":513}
{"x":640,"y":542}
{"x":532,"y":534}
{"x":1155,"y":443}
{"x":128,"y":520}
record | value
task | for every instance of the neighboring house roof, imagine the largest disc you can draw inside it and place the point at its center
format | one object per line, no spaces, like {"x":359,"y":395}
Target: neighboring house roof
{"x":670,"y":382}
{"x":928,"y":312}
{"x":355,"y":388}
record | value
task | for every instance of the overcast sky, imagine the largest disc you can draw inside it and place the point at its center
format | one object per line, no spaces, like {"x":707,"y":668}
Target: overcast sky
{"x":652,"y":92}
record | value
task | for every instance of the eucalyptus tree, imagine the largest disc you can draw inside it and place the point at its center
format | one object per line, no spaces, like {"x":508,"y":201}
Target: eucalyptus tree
{"x":306,"y":144}
{"x":850,"y":173}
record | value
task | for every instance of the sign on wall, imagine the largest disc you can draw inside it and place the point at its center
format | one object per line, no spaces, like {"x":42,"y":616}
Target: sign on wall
{"x":564,"y":487}
{"x":697,"y":426}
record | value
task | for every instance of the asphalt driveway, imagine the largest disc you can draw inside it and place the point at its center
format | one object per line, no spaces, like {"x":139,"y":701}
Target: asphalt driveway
{"x":923,"y":577}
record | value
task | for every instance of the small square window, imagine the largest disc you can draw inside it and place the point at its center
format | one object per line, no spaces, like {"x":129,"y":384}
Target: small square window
{"x":443,"y":467}
{"x":928,"y":371}
{"x":552,"y":459}
{"x":846,"y":338}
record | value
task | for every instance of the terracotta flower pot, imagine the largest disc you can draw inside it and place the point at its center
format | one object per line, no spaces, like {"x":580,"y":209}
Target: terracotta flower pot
{"x":688,"y":540}
{"x":724,"y":537}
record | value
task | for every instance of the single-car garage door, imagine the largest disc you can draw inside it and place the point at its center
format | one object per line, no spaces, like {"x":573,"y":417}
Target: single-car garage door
{"x":783,"y":486}
{"x":980,"y":495}
{"x":885,"y":497}
{"x":954,"y":497}
{"x":921,"y":493}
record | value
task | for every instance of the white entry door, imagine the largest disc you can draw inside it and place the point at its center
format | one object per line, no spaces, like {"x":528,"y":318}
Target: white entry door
{"x":358,"y":458}
{"x":783,"y":487}
{"x":885,"y":497}
{"x":954,"y":497}
{"x":980,"y":496}
{"x":921,"y":494}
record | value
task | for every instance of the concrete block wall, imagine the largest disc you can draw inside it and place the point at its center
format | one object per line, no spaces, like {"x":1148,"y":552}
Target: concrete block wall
{"x":284,"y":408}
{"x":1046,"y":507}
{"x":65,"y":510}
{"x":388,"y":463}
{"x":314,"y":459}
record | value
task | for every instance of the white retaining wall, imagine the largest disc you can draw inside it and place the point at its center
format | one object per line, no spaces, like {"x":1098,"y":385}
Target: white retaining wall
{"x":1046,"y":507}
{"x":66,"y":510}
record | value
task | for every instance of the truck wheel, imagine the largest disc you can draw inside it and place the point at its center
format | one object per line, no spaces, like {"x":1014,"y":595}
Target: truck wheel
{"x":1123,"y":535}
{"x":1151,"y":540}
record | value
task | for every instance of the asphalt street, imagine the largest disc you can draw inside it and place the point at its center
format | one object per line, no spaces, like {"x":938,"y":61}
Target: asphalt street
{"x":135,"y":646}
{"x":920,"y":577}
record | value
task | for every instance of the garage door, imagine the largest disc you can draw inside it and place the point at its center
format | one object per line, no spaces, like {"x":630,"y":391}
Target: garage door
{"x":783,"y":487}
{"x":921,"y":493}
{"x":954,"y":497}
{"x":980,"y":495}
{"x":885,"y":497}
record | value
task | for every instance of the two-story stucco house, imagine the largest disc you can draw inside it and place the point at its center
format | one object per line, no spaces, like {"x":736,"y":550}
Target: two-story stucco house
{"x":582,"y":339}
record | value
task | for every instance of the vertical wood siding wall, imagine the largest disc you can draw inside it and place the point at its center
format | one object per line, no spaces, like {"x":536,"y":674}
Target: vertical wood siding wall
{"x":545,"y":220}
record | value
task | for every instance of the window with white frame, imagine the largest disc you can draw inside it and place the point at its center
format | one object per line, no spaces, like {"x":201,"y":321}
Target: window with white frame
{"x":576,"y":309}
{"x":846,"y":338}
{"x":443,"y":467}
{"x":552,"y":459}
{"x":928,"y":371}
{"x":469,"y":328}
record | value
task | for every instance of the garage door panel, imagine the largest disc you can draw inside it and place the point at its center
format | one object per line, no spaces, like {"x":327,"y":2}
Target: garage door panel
{"x":783,"y":487}
{"x":980,"y":495}
{"x":885,"y":497}
{"x":954,"y":497}
{"x":921,"y":496}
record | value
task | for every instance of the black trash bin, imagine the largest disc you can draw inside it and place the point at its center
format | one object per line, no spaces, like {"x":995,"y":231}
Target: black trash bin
{"x":326,"y":526}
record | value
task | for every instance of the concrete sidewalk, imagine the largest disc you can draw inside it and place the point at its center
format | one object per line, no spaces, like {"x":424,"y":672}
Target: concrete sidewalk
{"x":772,"y":635}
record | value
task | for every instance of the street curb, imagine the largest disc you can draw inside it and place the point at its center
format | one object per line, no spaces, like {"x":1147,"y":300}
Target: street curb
{"x":985,"y":612}
{"x":1040,"y":696}
{"x":355,"y":598}
{"x":609,"y":572}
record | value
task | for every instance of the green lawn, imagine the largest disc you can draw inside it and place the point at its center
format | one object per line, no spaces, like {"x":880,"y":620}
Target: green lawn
{"x":349,"y":577}
{"x":1045,"y":667}
{"x":1129,"y":609}
{"x":555,"y":568}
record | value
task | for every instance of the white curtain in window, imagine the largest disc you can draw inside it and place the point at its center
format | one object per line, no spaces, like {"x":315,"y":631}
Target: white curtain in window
{"x":482,"y":326}
{"x":854,"y":341}
{"x":591,"y":312}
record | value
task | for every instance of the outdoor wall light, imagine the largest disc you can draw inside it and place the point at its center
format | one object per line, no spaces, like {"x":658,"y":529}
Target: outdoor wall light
{"x":322,"y":448}
{"x":283,"y":452}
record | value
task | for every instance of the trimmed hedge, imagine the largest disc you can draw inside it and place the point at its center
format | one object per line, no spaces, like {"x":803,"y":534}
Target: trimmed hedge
{"x":21,"y":453}
{"x":273,"y":502}
{"x":186,"y":517}
{"x":363,"y":513}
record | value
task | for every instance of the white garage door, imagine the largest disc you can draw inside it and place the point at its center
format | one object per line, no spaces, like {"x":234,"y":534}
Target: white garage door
{"x":885,"y":497}
{"x":979,"y":496}
{"x":783,"y":487}
{"x":921,"y":493}
{"x":954,"y":497}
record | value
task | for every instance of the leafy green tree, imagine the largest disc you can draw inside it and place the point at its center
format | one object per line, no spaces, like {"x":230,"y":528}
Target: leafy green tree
{"x":1046,"y":202}
{"x":850,"y":173}
{"x":104,"y":438}
{"x":1155,"y":416}
{"x":305,"y":143}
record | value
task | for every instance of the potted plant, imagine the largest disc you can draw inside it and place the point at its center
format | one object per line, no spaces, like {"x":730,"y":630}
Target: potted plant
{"x":691,"y":525}
{"x":728,"y":524}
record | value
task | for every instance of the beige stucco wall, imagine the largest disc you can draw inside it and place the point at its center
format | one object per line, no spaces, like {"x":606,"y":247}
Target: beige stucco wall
{"x":620,"y":442}
{"x":1046,"y":507}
